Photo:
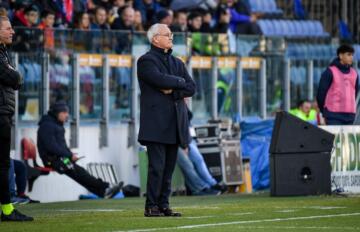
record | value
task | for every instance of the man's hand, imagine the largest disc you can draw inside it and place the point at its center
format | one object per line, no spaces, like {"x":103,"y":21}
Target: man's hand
{"x":74,"y":158}
{"x":167,"y":91}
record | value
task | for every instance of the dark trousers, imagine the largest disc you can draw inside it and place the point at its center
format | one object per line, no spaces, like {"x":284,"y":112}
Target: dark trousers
{"x":81,"y":176}
{"x":5,"y":143}
{"x":332,"y":121}
{"x":162,"y":160}
{"x":17,"y":178}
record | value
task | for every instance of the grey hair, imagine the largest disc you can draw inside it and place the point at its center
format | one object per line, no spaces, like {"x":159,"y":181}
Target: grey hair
{"x":154,"y":30}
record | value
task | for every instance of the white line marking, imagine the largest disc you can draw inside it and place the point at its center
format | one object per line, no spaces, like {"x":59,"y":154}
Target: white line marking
{"x":243,"y":222}
{"x":285,"y":211}
{"x":91,"y":210}
{"x":239,"y":214}
{"x":325,"y":207}
{"x":199,"y":217}
{"x":197,"y":207}
{"x":306,"y":227}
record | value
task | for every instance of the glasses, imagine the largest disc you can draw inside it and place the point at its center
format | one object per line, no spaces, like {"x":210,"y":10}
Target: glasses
{"x":169,"y":35}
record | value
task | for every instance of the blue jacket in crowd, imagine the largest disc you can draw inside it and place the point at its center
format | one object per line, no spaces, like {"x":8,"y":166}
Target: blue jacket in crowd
{"x":51,"y":139}
{"x":324,"y":86}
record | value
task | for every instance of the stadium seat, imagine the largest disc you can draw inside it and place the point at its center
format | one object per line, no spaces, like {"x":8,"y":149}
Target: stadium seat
{"x":28,"y":149}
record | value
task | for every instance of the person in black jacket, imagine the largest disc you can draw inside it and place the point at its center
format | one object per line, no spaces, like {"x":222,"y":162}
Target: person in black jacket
{"x":55,"y":153}
{"x":332,"y":91}
{"x":10,"y":80}
{"x":164,"y":83}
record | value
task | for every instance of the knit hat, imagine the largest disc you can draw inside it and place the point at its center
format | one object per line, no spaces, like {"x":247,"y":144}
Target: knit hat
{"x":58,"y":107}
{"x":161,"y":14}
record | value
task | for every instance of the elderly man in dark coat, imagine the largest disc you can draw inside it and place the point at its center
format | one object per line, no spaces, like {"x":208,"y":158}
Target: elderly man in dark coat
{"x":164,"y":83}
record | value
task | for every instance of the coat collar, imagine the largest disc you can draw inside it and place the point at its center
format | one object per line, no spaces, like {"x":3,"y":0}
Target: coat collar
{"x":161,"y":50}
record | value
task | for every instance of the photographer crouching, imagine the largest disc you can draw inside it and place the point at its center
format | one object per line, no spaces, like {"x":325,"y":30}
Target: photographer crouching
{"x":55,"y":153}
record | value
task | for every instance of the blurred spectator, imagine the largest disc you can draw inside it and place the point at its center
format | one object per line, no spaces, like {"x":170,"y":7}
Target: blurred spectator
{"x":241,"y":23}
{"x":164,"y":17}
{"x":194,"y":22}
{"x":63,"y":10}
{"x":3,"y":12}
{"x":106,"y":4}
{"x":138,"y":26}
{"x":82,"y":21}
{"x":27,"y":38}
{"x":113,"y":13}
{"x":100,"y":19}
{"x":126,"y":19}
{"x":222,"y":25}
{"x":206,"y":23}
{"x":26,"y":17}
{"x":304,"y":111}
{"x":148,"y":9}
{"x":47,"y":24}
{"x":180,"y":22}
{"x":82,"y":24}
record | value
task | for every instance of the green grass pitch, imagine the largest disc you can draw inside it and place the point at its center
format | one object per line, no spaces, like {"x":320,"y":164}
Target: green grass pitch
{"x":232,"y":212}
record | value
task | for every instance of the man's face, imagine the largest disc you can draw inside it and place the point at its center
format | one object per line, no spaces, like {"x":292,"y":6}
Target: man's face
{"x":63,"y":116}
{"x":167,"y":20}
{"x":196,"y":23}
{"x":49,"y":20}
{"x":306,"y":107}
{"x":6,"y":32}
{"x":181,"y":19}
{"x":32,"y":17}
{"x":100,"y":16}
{"x":163,"y":39}
{"x":128,"y":16}
{"x":346,"y":58}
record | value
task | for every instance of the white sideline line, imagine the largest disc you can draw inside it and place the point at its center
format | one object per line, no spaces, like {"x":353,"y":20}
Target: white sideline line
{"x":197,"y":207}
{"x":242,"y":222}
{"x":199,"y":217}
{"x":306,"y":227}
{"x":91,"y":210}
{"x":326,"y":207}
{"x":239,"y":214}
{"x":285,"y":211}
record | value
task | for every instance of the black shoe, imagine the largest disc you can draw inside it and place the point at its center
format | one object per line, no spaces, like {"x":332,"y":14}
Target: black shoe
{"x":112,"y":191}
{"x":170,"y":213}
{"x":153,"y":212}
{"x":220,"y":187}
{"x":15,"y":216}
{"x":29,"y":199}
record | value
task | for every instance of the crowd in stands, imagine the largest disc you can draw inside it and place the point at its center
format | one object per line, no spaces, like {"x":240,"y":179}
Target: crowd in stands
{"x":209,"y":16}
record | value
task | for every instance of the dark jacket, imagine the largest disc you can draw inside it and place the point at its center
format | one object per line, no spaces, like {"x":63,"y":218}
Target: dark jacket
{"x":163,"y":117}
{"x":324,"y":86}
{"x":51,"y":139}
{"x":10,"y":80}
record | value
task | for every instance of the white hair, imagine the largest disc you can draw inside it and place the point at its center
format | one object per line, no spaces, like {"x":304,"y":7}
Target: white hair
{"x":154,"y":30}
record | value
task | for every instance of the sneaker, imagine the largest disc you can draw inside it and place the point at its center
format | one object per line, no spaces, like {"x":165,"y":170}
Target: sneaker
{"x":15,"y":216}
{"x":170,"y":213}
{"x":153,"y":212}
{"x":19,"y":200}
{"x":31,"y":201}
{"x":209,"y":191}
{"x":220,"y":187}
{"x":112,"y":191}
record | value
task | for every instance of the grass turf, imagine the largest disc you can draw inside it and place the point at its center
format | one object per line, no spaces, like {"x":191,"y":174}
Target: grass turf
{"x":257,"y":212}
